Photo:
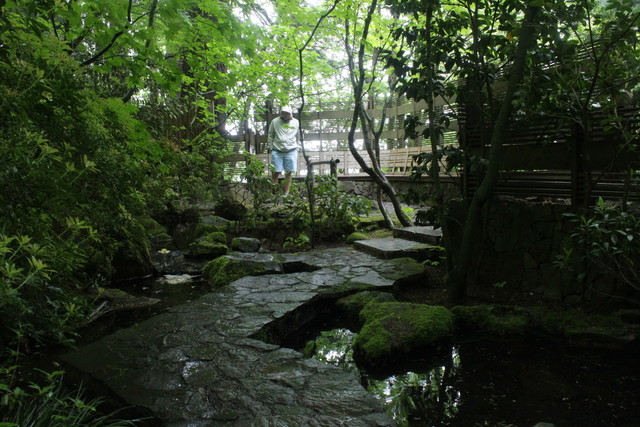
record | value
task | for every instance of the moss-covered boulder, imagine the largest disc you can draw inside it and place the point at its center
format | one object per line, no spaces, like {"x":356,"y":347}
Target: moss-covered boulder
{"x":394,"y":328}
{"x":492,"y":319}
{"x":156,"y":233}
{"x":161,"y":241}
{"x":112,"y":299}
{"x":183,"y":235}
{"x":132,"y":260}
{"x":224,"y":270}
{"x":212,"y":223}
{"x":245,"y":244}
{"x":231,"y":209}
{"x":402,"y":270}
{"x":216,"y":236}
{"x":211,"y":245}
{"x":151,"y":226}
{"x":371,"y":222}
{"x":572,"y":326}
{"x":351,"y":305}
{"x":357,"y":235}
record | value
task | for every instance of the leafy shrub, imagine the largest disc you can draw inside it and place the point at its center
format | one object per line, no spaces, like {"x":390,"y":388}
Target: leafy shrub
{"x":31,"y":305}
{"x":190,"y":174}
{"x":73,"y":168}
{"x":50,"y":405}
{"x":299,"y":242}
{"x":257,"y":182}
{"x":606,"y":243}
{"x":336,"y":211}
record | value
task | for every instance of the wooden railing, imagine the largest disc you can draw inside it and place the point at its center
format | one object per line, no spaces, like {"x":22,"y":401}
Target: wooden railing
{"x":397,"y":161}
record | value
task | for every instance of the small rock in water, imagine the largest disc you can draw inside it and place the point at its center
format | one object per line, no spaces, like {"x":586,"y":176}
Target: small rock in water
{"x":176,"y":279}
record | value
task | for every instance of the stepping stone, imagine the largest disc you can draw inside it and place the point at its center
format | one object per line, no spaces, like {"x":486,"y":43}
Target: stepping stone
{"x":388,"y":248}
{"x":424,"y":234}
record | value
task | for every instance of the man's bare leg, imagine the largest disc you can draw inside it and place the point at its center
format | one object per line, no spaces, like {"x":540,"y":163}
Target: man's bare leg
{"x":286,"y":185}
{"x":274,"y":180}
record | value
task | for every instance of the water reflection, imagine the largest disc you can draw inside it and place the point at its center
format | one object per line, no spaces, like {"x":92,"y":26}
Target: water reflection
{"x":420,"y":398}
{"x":411,"y":398}
{"x":499,"y":383}
{"x":334,"y":347}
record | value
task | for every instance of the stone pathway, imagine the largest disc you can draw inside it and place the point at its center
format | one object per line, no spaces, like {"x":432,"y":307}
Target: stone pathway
{"x":198,"y":364}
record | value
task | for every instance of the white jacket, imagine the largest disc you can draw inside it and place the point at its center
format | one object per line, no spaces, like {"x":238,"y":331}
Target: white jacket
{"x":283,"y":136}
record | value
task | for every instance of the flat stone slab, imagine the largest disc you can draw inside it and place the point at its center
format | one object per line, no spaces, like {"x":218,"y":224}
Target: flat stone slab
{"x":389,"y":248}
{"x":419,"y":233}
{"x":198,"y":364}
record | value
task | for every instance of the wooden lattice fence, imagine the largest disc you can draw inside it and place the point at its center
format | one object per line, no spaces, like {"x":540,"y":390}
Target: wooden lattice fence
{"x":552,"y":158}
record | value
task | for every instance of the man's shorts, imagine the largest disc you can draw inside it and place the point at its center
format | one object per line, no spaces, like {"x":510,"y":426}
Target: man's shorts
{"x":284,"y":161}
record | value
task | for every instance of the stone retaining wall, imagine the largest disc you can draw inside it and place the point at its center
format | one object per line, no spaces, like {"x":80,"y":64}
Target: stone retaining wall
{"x":519,"y":247}
{"x":368,"y":188}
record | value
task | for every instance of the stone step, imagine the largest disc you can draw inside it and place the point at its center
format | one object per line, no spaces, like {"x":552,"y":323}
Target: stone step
{"x":424,"y":234}
{"x":388,"y":248}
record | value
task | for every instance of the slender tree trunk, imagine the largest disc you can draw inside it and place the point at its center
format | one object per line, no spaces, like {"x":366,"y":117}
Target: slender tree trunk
{"x":357,"y":79}
{"x":309,"y":181}
{"x":383,"y":208}
{"x":459,"y":275}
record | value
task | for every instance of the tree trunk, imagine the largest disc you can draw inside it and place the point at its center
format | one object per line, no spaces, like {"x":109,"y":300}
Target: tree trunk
{"x":357,"y":79}
{"x":459,"y":275}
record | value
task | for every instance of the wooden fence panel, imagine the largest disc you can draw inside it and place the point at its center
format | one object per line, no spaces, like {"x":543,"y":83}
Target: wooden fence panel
{"x":551,"y":159}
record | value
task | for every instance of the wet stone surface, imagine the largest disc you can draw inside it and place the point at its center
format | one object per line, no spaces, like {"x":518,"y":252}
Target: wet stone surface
{"x":196,"y":364}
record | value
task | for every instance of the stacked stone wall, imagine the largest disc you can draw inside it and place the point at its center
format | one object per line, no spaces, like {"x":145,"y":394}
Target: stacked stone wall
{"x":519,"y":245}
{"x":368,"y":189}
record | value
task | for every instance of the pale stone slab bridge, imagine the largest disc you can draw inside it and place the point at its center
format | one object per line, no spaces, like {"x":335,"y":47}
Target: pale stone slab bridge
{"x":200,"y":363}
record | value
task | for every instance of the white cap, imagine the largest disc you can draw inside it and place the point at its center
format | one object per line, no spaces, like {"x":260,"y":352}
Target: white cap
{"x":286,"y":109}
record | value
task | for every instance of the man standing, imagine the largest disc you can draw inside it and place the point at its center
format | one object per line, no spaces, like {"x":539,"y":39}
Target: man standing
{"x":283,"y":140}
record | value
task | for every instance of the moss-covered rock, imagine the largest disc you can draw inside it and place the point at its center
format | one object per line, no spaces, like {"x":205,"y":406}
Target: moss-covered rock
{"x":395,"y":327}
{"x":356,"y":236}
{"x":576,"y":324}
{"x":573,"y":325}
{"x":231,"y":209}
{"x":224,"y":270}
{"x":212,"y":223}
{"x":356,"y":302}
{"x":371,"y":222}
{"x":351,"y":305}
{"x":183,"y":235}
{"x":151,"y":226}
{"x":492,"y":319}
{"x":210,"y":245}
{"x":216,"y":236}
{"x":118,"y":300}
{"x":160,"y":241}
{"x":245,"y":244}
{"x":402,"y":269}
{"x":132,"y":260}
